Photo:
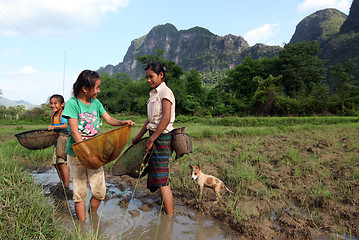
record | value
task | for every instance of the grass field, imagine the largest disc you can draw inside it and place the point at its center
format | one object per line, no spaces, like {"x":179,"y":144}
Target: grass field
{"x":291,"y":177}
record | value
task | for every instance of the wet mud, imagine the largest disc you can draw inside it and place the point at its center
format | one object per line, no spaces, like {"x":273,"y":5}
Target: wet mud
{"x":130,"y":212}
{"x":307,"y":206}
{"x":313,"y":194}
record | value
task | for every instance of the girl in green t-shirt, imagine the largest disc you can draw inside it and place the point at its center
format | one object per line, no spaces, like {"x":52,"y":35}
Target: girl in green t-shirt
{"x":83,"y":112}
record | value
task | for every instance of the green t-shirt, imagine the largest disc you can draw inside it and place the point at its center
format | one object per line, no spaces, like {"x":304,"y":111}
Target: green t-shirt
{"x":88,"y":119}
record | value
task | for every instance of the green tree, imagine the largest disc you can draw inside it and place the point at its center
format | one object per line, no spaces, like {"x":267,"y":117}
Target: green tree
{"x":149,"y":58}
{"x":265,"y":95}
{"x":113,"y":92}
{"x":300,"y":67}
{"x":343,"y":79}
{"x":194,"y":88}
{"x":240,"y":79}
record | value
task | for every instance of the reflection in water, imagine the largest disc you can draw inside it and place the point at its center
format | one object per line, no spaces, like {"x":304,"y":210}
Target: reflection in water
{"x":207,"y":230}
{"x":139,"y":218}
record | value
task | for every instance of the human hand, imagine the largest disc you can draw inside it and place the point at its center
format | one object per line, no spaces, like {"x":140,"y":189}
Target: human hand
{"x":50,"y":127}
{"x":149,"y":144}
{"x":128,"y":122}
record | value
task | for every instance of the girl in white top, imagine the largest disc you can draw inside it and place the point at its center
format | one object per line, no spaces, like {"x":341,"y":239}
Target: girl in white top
{"x":161,"y":115}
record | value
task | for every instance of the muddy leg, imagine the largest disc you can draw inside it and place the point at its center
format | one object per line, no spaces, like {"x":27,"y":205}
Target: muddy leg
{"x":218,"y":193}
{"x":63,"y":173}
{"x":167,"y":198}
{"x":94,"y":204}
{"x":80,"y":210}
{"x":200,"y":192}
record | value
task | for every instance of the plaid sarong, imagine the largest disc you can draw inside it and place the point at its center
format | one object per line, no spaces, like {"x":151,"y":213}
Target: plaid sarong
{"x":158,"y":171}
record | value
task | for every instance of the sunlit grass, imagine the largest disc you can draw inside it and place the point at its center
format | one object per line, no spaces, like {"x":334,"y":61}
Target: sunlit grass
{"x":304,"y":162}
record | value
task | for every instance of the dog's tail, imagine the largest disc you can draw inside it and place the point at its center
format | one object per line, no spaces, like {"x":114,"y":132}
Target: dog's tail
{"x":228,"y":189}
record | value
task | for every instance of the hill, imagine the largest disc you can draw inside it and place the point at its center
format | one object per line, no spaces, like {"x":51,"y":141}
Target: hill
{"x":198,"y":48}
{"x":195,"y":48}
{"x":337,"y":34}
{"x":319,"y":26}
{"x":7,"y":103}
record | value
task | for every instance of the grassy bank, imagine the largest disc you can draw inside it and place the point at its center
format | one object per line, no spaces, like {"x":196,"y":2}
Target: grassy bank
{"x":300,"y":178}
{"x":24,"y":211}
{"x":293,"y":176}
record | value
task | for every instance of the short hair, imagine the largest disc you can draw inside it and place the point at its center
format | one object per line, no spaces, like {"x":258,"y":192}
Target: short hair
{"x":59,"y":97}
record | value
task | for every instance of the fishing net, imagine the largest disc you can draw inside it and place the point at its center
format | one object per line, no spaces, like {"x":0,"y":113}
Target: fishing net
{"x":133,"y":161}
{"x":102,"y":149}
{"x":37,"y":139}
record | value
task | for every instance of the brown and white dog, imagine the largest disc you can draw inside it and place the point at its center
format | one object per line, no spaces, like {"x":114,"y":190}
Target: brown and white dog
{"x":204,"y":180}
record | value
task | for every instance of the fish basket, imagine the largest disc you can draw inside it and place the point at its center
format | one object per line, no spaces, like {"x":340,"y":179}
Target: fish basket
{"x":102,"y":149}
{"x":38,"y":139}
{"x":61,"y":145}
{"x":181,"y":142}
{"x":133,"y":162}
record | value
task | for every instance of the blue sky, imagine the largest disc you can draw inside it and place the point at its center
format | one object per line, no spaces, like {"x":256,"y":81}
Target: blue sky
{"x":46,"y":44}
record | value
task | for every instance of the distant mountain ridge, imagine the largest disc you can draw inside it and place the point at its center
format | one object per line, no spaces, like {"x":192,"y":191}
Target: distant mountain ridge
{"x":337,"y":34}
{"x":8,"y":103}
{"x":198,"y":48}
{"x":319,"y":26}
{"x":195,"y":48}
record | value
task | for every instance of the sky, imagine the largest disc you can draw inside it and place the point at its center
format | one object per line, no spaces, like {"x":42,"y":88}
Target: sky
{"x":46,"y":44}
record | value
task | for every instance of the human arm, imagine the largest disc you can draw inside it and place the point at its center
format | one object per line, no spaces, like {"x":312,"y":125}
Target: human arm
{"x":74,"y":130}
{"x":62,"y":126}
{"x":140,"y":133}
{"x":115,"y":122}
{"x":162,"y":125}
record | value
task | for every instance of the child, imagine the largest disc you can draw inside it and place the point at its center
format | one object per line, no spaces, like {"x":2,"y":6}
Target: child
{"x":161,"y":115}
{"x":83,"y":112}
{"x":57,"y":104}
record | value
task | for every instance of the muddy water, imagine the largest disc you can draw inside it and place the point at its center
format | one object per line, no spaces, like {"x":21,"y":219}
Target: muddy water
{"x":119,"y":217}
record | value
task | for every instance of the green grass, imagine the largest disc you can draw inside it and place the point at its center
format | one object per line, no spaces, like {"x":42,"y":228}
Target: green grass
{"x":306,"y":162}
{"x":276,"y":162}
{"x":24,"y":211}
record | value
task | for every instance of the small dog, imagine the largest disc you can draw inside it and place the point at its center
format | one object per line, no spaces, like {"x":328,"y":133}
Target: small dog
{"x":209,"y":181}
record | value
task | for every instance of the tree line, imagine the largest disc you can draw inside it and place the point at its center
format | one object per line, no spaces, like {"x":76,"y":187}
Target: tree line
{"x":294,"y":83}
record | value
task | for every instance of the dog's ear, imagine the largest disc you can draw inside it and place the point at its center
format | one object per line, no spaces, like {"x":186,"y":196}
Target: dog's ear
{"x":190,"y":166}
{"x":198,"y":166}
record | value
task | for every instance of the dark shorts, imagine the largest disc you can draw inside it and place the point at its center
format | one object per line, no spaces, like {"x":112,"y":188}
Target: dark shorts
{"x":158,"y":171}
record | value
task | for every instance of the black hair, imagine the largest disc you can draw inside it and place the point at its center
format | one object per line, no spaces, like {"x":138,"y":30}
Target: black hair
{"x":86,"y":78}
{"x":157,"y":67}
{"x":59,"y":97}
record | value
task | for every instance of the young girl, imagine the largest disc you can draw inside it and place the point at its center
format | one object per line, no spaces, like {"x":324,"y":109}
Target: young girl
{"x":83,"y":112}
{"x":161,"y":115}
{"x":57,"y":104}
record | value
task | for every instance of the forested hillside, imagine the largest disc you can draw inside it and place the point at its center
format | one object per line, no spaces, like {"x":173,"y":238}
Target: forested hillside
{"x":196,"y":48}
{"x":315,"y":74}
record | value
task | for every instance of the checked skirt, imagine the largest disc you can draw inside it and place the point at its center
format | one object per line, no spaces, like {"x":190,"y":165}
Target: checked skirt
{"x":158,"y":172}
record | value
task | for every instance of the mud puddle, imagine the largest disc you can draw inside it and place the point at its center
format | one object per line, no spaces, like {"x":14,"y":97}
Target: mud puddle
{"x":132,"y":213}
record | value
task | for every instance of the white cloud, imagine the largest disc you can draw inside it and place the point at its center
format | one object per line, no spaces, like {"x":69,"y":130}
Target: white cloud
{"x":27,"y":70}
{"x":313,"y":5}
{"x":53,"y":16}
{"x":262,"y":34}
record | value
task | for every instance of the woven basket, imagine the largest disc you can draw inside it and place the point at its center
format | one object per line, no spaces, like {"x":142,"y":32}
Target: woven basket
{"x":37,"y":139}
{"x":181,"y":142}
{"x":100,"y":150}
{"x":61,"y":145}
